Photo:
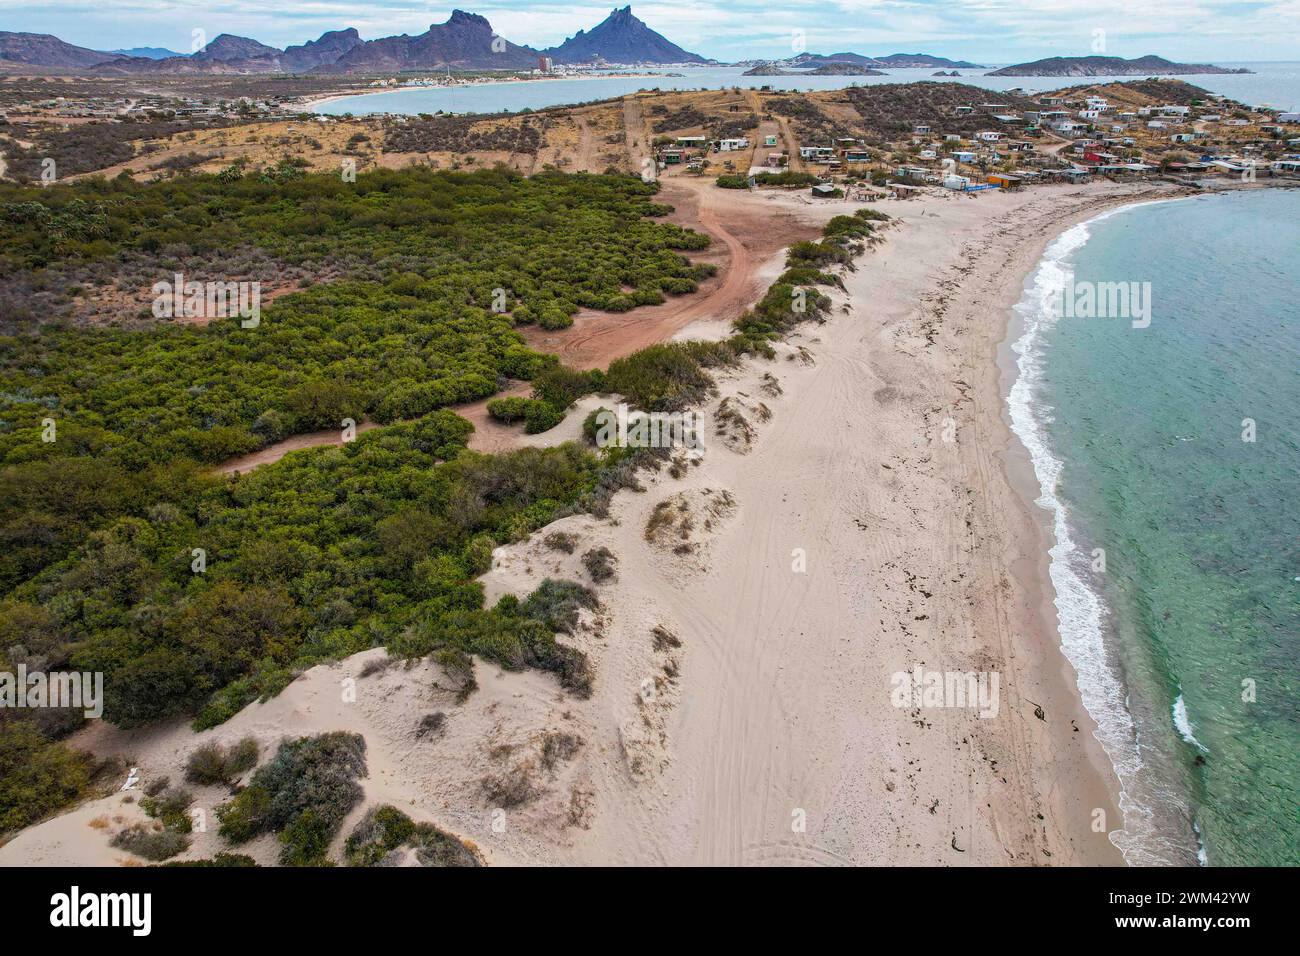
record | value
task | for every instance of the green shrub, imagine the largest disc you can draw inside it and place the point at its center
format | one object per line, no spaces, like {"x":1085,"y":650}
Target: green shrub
{"x":508,"y":410}
{"x":212,"y":763}
{"x":659,"y":378}
{"x":220,"y":859}
{"x":303,"y":793}
{"x":385,"y":829}
{"x":151,"y":842}
{"x":38,"y":777}
{"x":171,"y":808}
{"x":599,"y":563}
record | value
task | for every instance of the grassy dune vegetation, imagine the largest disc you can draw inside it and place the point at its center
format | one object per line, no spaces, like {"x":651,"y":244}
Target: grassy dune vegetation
{"x":338,"y":549}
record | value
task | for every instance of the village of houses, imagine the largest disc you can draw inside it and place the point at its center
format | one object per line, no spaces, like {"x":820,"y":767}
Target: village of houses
{"x":903,"y":138}
{"x":1070,"y":136}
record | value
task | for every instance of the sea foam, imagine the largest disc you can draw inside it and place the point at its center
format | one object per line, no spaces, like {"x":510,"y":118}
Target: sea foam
{"x":1080,"y":610}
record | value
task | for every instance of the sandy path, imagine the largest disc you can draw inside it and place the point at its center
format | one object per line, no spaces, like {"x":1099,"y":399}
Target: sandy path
{"x":750,"y":230}
{"x":272,"y":453}
{"x":636,"y":136}
{"x":586,"y":145}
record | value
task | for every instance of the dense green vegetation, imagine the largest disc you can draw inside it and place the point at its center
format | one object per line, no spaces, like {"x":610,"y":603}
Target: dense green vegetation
{"x":194,"y":593}
{"x":784,"y":178}
{"x":37,"y":777}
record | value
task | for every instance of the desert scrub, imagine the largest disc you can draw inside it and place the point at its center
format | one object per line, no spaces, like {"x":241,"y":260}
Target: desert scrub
{"x":303,"y":793}
{"x":559,"y":747}
{"x":385,"y":830}
{"x":170,"y":808}
{"x":561,"y":541}
{"x":459,"y":667}
{"x":664,"y":639}
{"x":151,"y":841}
{"x":510,"y":788}
{"x":212,"y":763}
{"x":219,"y":859}
{"x":431,"y":724}
{"x":599,"y":563}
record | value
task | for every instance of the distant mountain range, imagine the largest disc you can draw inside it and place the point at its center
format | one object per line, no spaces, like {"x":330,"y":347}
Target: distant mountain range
{"x":468,"y":42}
{"x":465,"y":42}
{"x":149,"y":52}
{"x":1109,"y":66}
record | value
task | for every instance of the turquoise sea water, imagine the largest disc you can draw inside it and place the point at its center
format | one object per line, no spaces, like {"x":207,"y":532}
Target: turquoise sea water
{"x":1137,"y":439}
{"x":1273,"y":84}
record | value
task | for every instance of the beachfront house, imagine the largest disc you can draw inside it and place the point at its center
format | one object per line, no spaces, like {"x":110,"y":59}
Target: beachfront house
{"x":817,"y":154}
{"x":903,"y":190}
{"x":919,"y":173}
{"x":1004,"y":181}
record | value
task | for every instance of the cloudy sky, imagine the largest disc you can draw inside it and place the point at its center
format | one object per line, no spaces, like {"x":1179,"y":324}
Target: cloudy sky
{"x":992,"y":31}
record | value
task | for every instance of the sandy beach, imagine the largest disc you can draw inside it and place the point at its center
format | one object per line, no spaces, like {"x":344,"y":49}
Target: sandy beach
{"x":312,"y":105}
{"x":860,"y":509}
